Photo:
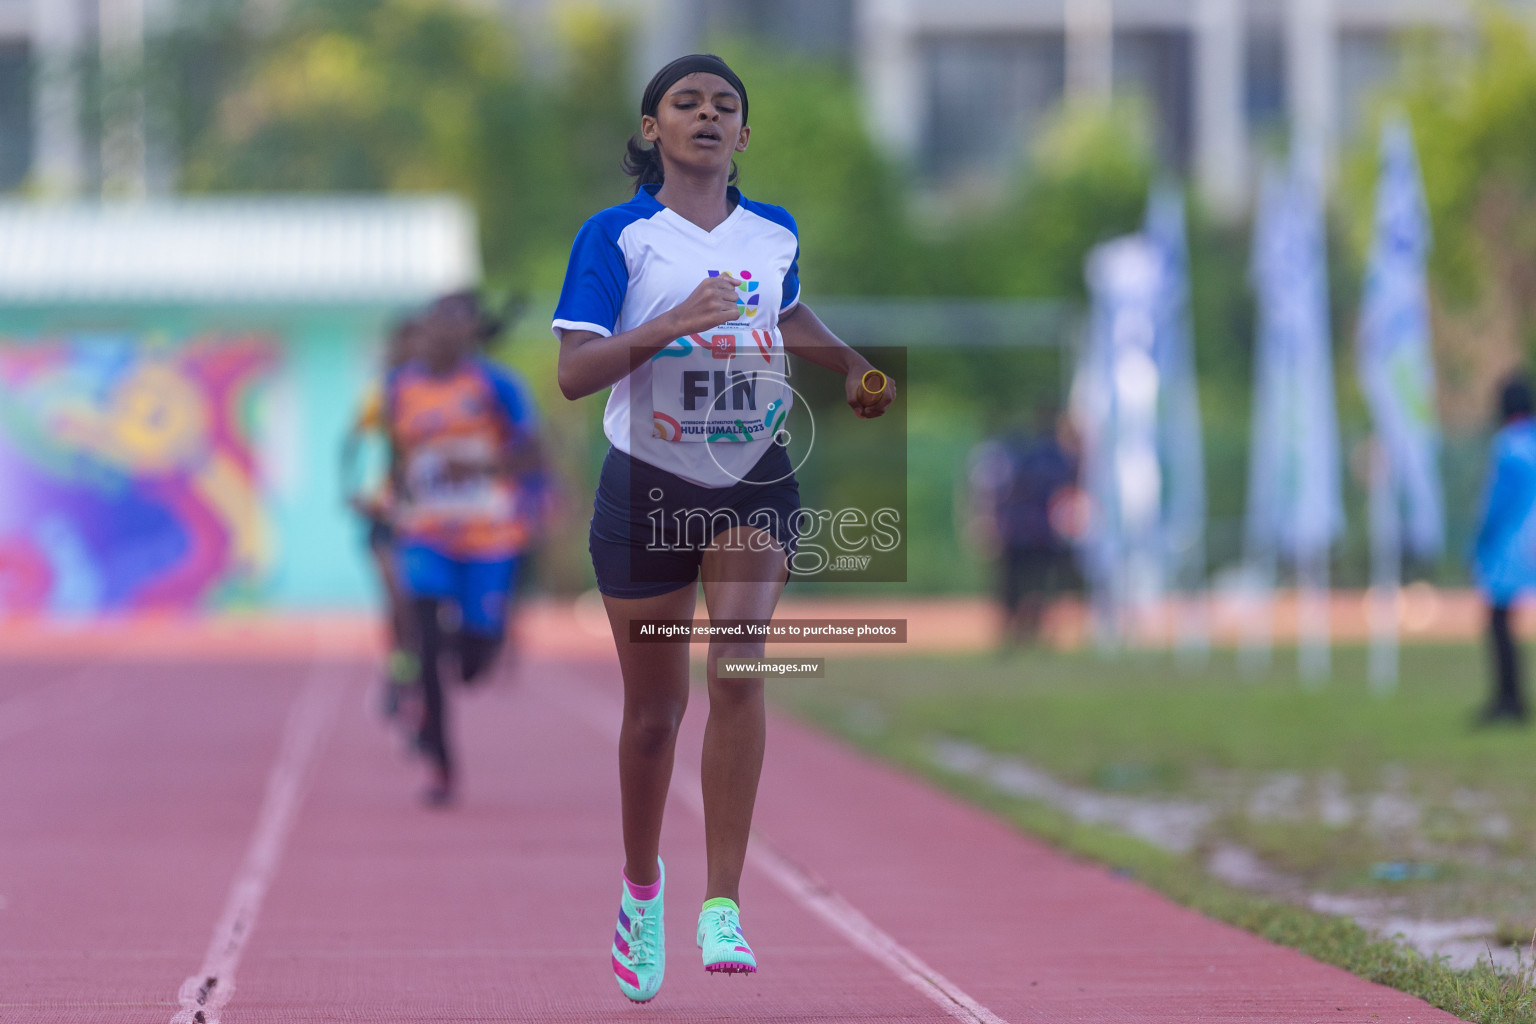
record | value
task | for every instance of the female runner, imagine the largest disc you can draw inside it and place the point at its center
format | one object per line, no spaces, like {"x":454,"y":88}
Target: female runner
{"x":685,"y":299}
{"x":465,"y":460}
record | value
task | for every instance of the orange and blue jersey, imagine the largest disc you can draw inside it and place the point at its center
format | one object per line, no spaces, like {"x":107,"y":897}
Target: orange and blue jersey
{"x":475,"y":413}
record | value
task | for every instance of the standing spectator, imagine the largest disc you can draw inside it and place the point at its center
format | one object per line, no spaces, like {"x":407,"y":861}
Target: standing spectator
{"x":1505,"y":554}
{"x":1019,"y":485}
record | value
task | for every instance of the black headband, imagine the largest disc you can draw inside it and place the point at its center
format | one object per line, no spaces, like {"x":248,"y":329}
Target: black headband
{"x":692,"y":64}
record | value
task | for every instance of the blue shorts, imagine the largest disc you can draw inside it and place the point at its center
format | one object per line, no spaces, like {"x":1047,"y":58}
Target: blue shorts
{"x":650,"y":527}
{"x":480,"y":589}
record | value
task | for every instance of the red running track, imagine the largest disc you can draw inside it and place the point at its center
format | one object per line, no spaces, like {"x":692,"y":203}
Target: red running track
{"x":157,"y":819}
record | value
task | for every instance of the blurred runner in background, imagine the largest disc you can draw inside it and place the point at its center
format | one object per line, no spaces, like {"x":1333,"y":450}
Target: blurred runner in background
{"x":1504,"y":559}
{"x":1022,"y":487}
{"x":469,"y":474}
{"x":372,"y":502}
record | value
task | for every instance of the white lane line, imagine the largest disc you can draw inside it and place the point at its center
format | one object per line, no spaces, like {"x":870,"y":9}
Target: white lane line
{"x":309,"y":721}
{"x":812,"y":893}
{"x":69,"y":697}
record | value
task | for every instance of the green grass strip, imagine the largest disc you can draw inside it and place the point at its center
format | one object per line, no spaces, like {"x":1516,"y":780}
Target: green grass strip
{"x":1484,"y":993}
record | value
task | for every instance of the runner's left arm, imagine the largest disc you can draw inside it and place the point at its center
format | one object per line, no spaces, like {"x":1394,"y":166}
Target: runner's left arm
{"x":523,"y":455}
{"x":807,"y":337}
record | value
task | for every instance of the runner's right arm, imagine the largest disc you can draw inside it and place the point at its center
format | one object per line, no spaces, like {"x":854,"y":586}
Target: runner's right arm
{"x":370,"y":418}
{"x":590,"y":362}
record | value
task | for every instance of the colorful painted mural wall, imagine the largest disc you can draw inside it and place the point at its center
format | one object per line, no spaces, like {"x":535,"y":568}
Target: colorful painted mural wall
{"x":147,"y":469}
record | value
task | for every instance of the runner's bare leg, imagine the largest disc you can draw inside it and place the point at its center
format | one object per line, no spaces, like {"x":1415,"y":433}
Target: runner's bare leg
{"x":739,"y":584}
{"x":655,"y":697}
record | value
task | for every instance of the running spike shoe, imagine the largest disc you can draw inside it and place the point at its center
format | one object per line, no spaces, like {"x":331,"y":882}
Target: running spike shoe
{"x":725,"y":949}
{"x":640,"y":944}
{"x":404,"y":667}
{"x":399,"y":682}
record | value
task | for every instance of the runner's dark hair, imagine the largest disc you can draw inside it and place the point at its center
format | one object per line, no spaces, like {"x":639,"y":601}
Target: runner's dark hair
{"x":466,"y":304}
{"x":394,"y":347}
{"x":642,"y":162}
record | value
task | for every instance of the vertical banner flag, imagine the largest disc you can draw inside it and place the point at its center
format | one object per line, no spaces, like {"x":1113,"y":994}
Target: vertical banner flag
{"x":1091,"y":405}
{"x":1295,"y":505}
{"x":1397,"y":375}
{"x":1396,"y":368}
{"x":1180,"y":436}
{"x":1262,"y":526}
{"x":1117,"y":400}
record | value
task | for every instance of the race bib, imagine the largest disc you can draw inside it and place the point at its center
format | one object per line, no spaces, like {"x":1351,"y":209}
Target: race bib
{"x":439,"y":493}
{"x":725,"y":386}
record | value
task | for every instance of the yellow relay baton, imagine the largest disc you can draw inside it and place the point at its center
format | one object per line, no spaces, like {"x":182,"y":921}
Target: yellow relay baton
{"x":871,"y":386}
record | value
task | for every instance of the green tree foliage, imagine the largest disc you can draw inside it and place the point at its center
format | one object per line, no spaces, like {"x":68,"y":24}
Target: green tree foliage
{"x":359,"y":96}
{"x":1086,"y":181}
{"x":1473,"y":116}
{"x":1471,"y":108}
{"x":409,"y":95}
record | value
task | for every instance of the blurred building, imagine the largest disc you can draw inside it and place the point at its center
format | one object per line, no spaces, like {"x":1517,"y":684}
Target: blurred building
{"x":178,"y":377}
{"x":955,"y":87}
{"x":51,"y":137}
{"x":18,"y":51}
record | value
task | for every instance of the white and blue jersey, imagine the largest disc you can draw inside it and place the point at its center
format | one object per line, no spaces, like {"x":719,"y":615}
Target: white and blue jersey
{"x":707,"y":406}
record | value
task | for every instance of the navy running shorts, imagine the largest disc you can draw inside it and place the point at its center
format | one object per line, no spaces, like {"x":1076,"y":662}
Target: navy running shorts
{"x":650,"y":527}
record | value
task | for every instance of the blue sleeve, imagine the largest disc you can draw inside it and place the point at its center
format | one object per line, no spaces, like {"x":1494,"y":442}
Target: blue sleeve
{"x":780,"y":216}
{"x":1505,"y":504}
{"x":513,"y":397}
{"x":596,"y":281}
{"x":791,"y":284}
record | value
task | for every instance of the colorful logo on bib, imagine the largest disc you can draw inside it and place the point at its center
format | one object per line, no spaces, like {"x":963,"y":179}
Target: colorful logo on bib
{"x":746,"y":294}
{"x":665,"y":427}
